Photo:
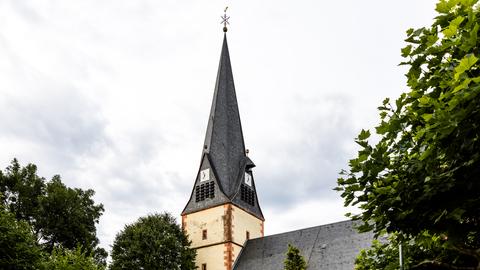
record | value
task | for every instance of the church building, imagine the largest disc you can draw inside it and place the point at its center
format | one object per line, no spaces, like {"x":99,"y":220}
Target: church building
{"x":223,"y":218}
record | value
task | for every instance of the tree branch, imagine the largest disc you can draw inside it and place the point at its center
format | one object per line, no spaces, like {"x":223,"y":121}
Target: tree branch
{"x":475,"y":253}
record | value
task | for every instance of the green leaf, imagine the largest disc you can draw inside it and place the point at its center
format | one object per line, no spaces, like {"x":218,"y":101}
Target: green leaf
{"x":476,"y":79}
{"x":382,"y":128}
{"x":463,"y":85}
{"x":465,"y":64}
{"x":418,"y":31}
{"x":427,"y":116}
{"x":383,"y":190}
{"x":471,"y":40}
{"x":426,"y":153}
{"x":444,"y":6}
{"x":383,"y":115}
{"x":424,"y":100}
{"x":406,"y":50}
{"x":468,"y":3}
{"x":364,"y":134}
{"x":453,"y":27}
{"x":385,"y":101}
{"x":414,"y":94}
{"x":432,"y":39}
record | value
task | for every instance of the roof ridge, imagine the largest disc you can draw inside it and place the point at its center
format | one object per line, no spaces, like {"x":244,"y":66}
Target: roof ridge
{"x":297,"y":230}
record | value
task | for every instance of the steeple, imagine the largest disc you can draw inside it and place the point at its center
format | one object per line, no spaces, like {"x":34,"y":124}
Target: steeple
{"x":223,"y":156}
{"x":224,"y":138}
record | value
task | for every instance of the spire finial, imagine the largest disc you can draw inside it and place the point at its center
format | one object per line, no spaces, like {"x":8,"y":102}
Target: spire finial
{"x":225,"y":20}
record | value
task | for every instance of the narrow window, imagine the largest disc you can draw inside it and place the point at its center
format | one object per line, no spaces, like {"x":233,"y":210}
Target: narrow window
{"x":248,"y":235}
{"x":204,"y":266}
{"x":204,"y":234}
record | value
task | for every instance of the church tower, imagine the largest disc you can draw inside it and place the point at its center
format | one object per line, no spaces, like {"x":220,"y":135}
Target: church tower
{"x":223,"y":210}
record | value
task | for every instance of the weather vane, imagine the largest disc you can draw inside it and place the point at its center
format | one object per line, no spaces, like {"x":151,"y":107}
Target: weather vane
{"x":225,"y":20}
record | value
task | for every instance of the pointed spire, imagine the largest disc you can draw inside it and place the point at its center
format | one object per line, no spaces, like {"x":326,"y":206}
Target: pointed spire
{"x":224,"y":138}
{"x":224,"y":158}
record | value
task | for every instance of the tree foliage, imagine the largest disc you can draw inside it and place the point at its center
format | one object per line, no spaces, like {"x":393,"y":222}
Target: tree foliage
{"x":18,"y":247}
{"x":417,"y":253}
{"x":68,"y":216}
{"x":65,"y":259}
{"x":294,"y":260}
{"x":422,"y":177}
{"x":57,"y":214}
{"x":152,"y":242}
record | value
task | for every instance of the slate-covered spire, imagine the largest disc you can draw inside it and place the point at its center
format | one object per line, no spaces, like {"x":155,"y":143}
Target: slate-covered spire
{"x":226,"y":169}
{"x":224,"y":138}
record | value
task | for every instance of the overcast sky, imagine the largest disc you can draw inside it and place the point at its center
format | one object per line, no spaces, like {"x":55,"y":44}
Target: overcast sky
{"x":114,"y":95}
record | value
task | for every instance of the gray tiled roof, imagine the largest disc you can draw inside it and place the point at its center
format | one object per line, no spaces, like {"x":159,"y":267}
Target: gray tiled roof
{"x":326,"y":247}
{"x":224,"y":148}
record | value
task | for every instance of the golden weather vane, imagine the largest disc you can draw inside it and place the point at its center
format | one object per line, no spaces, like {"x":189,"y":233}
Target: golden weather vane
{"x":225,"y":20}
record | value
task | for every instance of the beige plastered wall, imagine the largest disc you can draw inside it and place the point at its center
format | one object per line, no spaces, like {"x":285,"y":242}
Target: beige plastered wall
{"x":212,"y":220}
{"x":212,"y":256}
{"x":221,"y":248}
{"x":243,"y":222}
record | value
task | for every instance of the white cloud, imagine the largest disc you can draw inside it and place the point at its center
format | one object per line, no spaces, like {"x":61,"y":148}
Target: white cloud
{"x":310,"y":213}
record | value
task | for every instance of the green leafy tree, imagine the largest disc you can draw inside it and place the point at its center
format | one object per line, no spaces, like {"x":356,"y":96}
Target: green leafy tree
{"x":384,"y":254}
{"x":75,"y":216}
{"x":153,"y":242}
{"x":22,"y":189}
{"x":65,"y":259}
{"x":294,"y":260}
{"x":423,"y":175}
{"x":18,"y":247}
{"x":57,"y":214}
{"x":381,"y":255}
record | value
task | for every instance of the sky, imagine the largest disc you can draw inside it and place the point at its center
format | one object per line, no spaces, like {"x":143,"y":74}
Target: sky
{"x":114,"y":95}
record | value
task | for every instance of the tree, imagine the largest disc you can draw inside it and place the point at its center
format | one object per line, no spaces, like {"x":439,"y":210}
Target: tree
{"x":422,"y":176}
{"x":152,"y":242}
{"x":57,"y":214}
{"x":22,"y":189}
{"x":75,"y":215}
{"x":18,"y":248}
{"x":384,"y":253}
{"x":294,"y":260}
{"x":65,"y":259}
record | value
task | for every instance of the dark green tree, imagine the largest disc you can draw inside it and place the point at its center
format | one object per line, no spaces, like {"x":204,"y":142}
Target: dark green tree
{"x":22,"y":189}
{"x":152,"y":242}
{"x":18,"y":247}
{"x":422,"y":177}
{"x":58,"y":215}
{"x":75,"y":216}
{"x":294,"y":260}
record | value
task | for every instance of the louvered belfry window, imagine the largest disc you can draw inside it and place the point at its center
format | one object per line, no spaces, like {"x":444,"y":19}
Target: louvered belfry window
{"x":247,"y":194}
{"x":204,"y":191}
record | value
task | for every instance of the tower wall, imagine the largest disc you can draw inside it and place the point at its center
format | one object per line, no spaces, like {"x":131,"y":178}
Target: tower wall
{"x":226,"y":229}
{"x":210,"y":219}
{"x":243,"y":222}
